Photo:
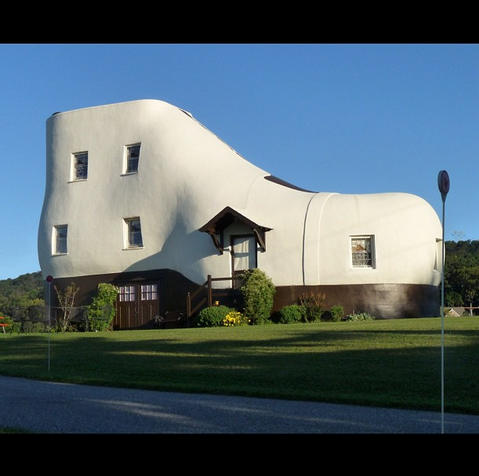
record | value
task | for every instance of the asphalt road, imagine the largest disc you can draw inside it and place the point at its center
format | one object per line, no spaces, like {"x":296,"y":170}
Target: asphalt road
{"x":58,"y":408}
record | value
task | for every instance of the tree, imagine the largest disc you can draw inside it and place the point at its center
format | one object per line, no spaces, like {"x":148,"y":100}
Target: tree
{"x":18,"y":296}
{"x":461,"y":273}
{"x":66,"y":300}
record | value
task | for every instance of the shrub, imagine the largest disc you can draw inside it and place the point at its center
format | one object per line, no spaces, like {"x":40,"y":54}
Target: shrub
{"x":212,"y":316}
{"x":66,"y":300}
{"x":312,"y":306}
{"x":235,"y":318}
{"x":101,"y":312}
{"x":337,"y":313}
{"x":290,"y":314}
{"x":359,"y":316}
{"x":258,"y":293}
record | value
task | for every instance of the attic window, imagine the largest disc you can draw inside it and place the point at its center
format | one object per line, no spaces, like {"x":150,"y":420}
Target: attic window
{"x":80,"y":166}
{"x":132,"y":157}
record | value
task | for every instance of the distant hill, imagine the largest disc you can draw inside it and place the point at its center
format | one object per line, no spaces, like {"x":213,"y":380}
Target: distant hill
{"x":24,"y":290}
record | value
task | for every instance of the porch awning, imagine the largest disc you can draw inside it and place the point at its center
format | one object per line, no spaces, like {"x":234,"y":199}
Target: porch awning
{"x":225,"y":218}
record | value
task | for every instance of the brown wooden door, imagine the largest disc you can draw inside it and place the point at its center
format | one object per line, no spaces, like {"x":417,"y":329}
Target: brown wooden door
{"x":138,"y":304}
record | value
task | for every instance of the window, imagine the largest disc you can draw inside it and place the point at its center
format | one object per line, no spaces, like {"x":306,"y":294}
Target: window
{"x":133,"y":233}
{"x":127,"y":293}
{"x":149,"y":292}
{"x":60,"y":239}
{"x":132,"y":156}
{"x":80,"y":166}
{"x":362,"y":251}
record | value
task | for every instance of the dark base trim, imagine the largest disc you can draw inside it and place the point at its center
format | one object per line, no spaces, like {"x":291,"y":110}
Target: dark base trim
{"x":383,"y":301}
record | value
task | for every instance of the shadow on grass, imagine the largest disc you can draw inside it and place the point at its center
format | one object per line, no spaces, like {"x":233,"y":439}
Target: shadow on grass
{"x":388,"y":368}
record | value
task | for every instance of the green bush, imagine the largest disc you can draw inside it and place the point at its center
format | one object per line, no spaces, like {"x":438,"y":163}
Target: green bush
{"x":258,"y":293}
{"x":290,"y":314}
{"x":337,"y":313}
{"x":312,"y":306}
{"x":212,"y":316}
{"x":101,"y":312}
{"x":359,"y":316}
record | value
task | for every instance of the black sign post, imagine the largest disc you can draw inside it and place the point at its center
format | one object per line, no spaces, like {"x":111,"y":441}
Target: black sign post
{"x":443,"y":184}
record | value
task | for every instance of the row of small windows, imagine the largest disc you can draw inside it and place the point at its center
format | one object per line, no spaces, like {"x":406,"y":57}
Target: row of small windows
{"x":130,"y":162}
{"x":148,"y":292}
{"x":361,"y":246}
{"x":132,"y":236}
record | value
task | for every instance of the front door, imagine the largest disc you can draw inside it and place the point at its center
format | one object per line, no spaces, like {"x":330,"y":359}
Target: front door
{"x":138,"y":305}
{"x":243,"y":255}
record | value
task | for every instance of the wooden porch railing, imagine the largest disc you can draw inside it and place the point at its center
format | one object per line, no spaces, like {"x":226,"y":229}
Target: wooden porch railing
{"x":205,"y":295}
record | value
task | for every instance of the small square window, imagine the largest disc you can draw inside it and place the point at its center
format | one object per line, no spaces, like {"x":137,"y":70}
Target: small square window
{"x":60,"y":239}
{"x":132,"y":157}
{"x":127,"y":293}
{"x":149,"y":292}
{"x":80,"y":166}
{"x":133,"y":233}
{"x":362,"y":251}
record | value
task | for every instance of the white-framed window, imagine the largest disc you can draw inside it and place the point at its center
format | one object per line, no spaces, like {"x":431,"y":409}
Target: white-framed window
{"x":132,"y":233}
{"x":79,"y":166}
{"x":362,"y":251}
{"x":60,"y":235}
{"x":131,"y":158}
{"x":126,"y":293}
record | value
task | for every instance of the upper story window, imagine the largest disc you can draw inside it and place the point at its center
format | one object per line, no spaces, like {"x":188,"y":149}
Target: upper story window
{"x":60,"y":234}
{"x":133,"y":238}
{"x":132,"y":157}
{"x":80,"y":166}
{"x":362,"y":251}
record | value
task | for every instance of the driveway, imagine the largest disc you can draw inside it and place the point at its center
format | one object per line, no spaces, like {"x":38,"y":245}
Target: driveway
{"x":46,"y":407}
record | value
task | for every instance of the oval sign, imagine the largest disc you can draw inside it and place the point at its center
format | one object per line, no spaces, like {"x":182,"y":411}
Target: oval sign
{"x":443,"y":183}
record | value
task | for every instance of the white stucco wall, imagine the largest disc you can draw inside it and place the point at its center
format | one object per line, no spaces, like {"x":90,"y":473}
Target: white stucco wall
{"x":405,"y":229}
{"x":186,"y":176}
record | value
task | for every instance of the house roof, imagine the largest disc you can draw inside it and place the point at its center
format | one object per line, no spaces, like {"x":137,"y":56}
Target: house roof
{"x":226,"y":217}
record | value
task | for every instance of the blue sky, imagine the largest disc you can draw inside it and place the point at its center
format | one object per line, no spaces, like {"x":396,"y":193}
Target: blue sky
{"x":346,"y":118}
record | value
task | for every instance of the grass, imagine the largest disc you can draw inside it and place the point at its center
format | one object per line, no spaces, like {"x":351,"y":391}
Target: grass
{"x":386,"y":363}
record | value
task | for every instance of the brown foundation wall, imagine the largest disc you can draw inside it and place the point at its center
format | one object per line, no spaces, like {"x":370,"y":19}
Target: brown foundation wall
{"x":383,"y":301}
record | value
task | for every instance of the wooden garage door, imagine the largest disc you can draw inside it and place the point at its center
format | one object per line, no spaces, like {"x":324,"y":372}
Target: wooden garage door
{"x":138,"y":304}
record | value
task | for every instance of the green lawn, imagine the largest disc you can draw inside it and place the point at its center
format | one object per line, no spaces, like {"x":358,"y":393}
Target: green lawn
{"x":393,"y":363}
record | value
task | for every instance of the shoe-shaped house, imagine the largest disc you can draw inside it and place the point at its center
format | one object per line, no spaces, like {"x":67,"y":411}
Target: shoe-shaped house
{"x":141,"y":195}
